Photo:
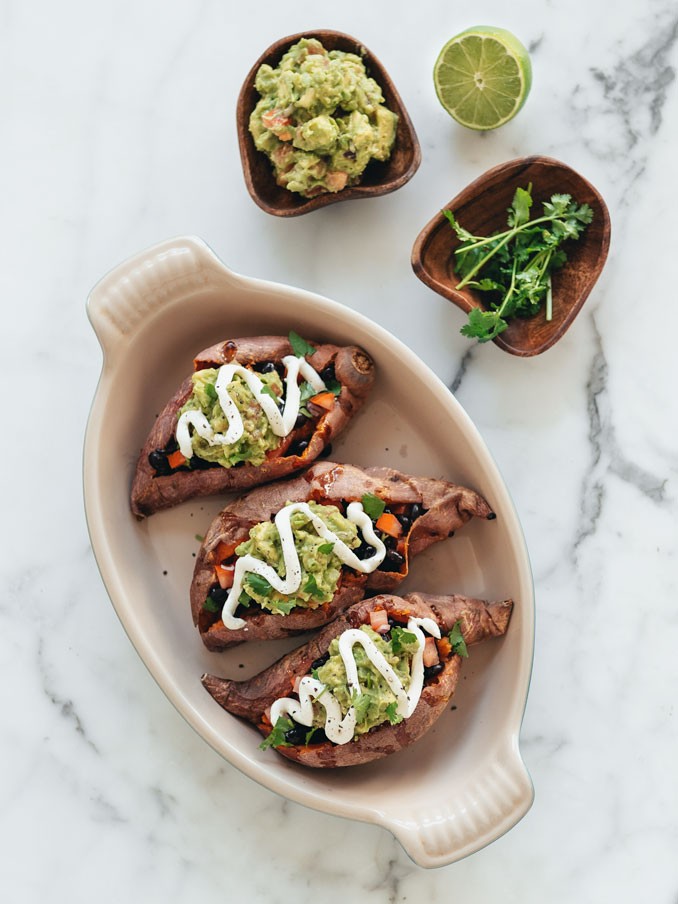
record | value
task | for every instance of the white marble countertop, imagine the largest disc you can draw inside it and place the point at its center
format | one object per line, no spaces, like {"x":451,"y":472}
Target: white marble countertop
{"x":118,"y":131}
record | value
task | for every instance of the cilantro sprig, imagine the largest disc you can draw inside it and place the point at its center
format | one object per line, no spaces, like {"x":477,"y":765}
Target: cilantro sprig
{"x":373,"y":505}
{"x":394,"y":716}
{"x":300,"y":346}
{"x":457,"y":641}
{"x":514,"y":267}
{"x":276,"y":737}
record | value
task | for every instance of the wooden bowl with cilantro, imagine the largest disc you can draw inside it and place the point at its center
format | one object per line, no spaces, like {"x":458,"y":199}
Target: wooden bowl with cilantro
{"x":518,"y":250}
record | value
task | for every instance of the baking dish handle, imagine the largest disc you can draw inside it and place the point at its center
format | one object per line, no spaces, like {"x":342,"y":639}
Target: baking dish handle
{"x":135,"y":290}
{"x":483,"y":810}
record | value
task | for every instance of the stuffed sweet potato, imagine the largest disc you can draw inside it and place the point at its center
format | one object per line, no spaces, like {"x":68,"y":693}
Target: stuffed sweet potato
{"x":255,"y":410}
{"x":290,"y":556}
{"x":369,"y":684}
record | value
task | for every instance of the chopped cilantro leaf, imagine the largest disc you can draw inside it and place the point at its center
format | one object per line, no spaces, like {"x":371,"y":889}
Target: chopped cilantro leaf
{"x":311,"y":586}
{"x":361,"y":703}
{"x":283,"y":607}
{"x":276,"y":738}
{"x":401,"y":638}
{"x":259,"y":584}
{"x":211,"y":606}
{"x":211,"y":391}
{"x":393,"y":716}
{"x":244,"y":600}
{"x":326,"y":547}
{"x":300,"y":346}
{"x":266,"y":390}
{"x":457,"y":641}
{"x":306,"y":392}
{"x":199,"y":538}
{"x":373,"y":505}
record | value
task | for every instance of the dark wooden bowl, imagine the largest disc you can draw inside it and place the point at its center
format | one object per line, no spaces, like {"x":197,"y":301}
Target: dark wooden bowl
{"x":378,"y":179}
{"x":482,"y":208}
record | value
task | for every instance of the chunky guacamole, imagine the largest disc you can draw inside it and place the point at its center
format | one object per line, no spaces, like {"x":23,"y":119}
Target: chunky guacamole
{"x":257,"y":439}
{"x":321,"y":119}
{"x":377,"y":703}
{"x":320,"y":567}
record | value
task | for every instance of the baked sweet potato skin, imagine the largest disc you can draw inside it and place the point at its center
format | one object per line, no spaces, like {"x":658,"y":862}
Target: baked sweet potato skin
{"x":252,"y":698}
{"x":354,"y":369}
{"x":448,"y":507}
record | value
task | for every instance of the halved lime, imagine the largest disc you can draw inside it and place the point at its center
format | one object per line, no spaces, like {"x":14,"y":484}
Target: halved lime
{"x":483,"y":76}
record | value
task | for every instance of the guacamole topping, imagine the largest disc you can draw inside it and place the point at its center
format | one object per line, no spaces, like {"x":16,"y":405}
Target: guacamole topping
{"x":369,"y":681}
{"x":320,"y":566}
{"x":238,"y":415}
{"x":255,"y":578}
{"x":321,"y":119}
{"x":257,"y":437}
{"x":376,"y":703}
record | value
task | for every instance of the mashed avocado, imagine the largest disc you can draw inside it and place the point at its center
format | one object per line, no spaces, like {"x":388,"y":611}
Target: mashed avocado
{"x":257,"y":438}
{"x":320,"y":119}
{"x":377,"y":702}
{"x":320,"y":568}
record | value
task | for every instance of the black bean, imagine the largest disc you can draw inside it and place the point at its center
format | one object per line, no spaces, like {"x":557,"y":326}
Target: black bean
{"x":321,"y":660}
{"x":200,"y":464}
{"x":300,"y":421}
{"x":389,"y":541}
{"x":491,"y":516}
{"x":172,"y":445}
{"x":432,"y":670}
{"x":326,"y":451}
{"x":393,"y":561}
{"x":297,"y":734}
{"x":405,"y":521}
{"x":297,"y":448}
{"x":327,"y":373}
{"x":319,"y":737}
{"x":364,"y":551}
{"x":395,"y":558}
{"x":265,"y":367}
{"x":416,"y":511}
{"x":218,"y":594}
{"x":158,"y":461}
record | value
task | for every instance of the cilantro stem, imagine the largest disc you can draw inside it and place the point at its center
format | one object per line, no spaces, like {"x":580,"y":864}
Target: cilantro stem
{"x":509,"y":232}
{"x":549,"y":299}
{"x":505,"y":302}
{"x":481,"y":263}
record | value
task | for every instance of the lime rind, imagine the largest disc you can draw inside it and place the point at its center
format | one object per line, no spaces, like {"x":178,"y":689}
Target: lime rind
{"x":482,"y":77}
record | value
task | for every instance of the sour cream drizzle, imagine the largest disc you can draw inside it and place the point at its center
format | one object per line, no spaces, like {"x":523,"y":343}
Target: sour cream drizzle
{"x":290,"y":583}
{"x":341,"y":729}
{"x":281,"y":422}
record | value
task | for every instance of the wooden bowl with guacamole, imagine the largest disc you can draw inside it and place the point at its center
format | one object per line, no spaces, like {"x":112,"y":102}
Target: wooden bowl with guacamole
{"x":319,"y":121}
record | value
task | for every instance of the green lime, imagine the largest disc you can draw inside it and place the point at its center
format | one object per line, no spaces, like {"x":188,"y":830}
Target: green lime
{"x":482,"y":77}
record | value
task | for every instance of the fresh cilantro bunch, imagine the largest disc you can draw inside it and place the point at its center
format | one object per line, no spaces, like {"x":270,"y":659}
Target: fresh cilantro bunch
{"x":514,"y":267}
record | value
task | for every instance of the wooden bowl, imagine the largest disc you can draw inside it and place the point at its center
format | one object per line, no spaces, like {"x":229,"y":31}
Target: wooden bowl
{"x":482,"y":208}
{"x":378,"y":179}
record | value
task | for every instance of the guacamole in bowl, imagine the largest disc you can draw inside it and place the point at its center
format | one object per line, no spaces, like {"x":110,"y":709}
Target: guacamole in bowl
{"x":321,"y":119}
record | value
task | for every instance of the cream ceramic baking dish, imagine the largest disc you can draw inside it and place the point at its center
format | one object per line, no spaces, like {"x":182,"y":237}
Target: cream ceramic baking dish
{"x":464,"y":784}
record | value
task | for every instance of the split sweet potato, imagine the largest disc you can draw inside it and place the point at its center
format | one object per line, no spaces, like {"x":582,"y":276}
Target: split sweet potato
{"x":251,"y":700}
{"x":353,"y":369}
{"x":440,"y":508}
